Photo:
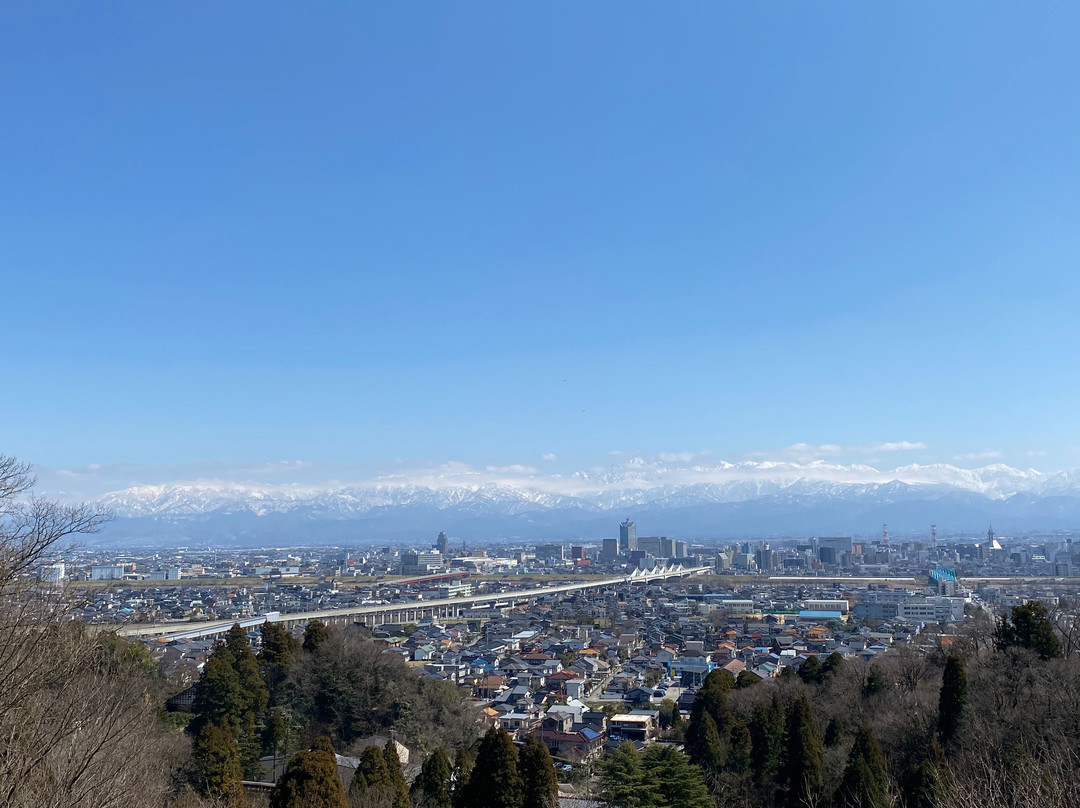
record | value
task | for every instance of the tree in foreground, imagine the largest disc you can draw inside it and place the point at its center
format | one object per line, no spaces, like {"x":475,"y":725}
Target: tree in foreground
{"x":741,"y":747}
{"x":922,"y":783}
{"x":371,"y":786}
{"x":78,"y":722}
{"x":866,"y":780}
{"x":953,"y":699}
{"x":669,"y":715}
{"x":431,"y":789}
{"x":1029,"y":626}
{"x":278,"y":648}
{"x":678,"y":782}
{"x":802,"y":771}
{"x":875,"y":682}
{"x":315,"y":634}
{"x":218,"y":698}
{"x":232,"y":691}
{"x":495,"y":781}
{"x":624,"y":783}
{"x":767,"y":733}
{"x":704,"y":746}
{"x":463,"y":766}
{"x":217,"y":765}
{"x":746,"y":679}
{"x":397,"y":776}
{"x":311,"y":780}
{"x":810,"y":671}
{"x":540,"y":785}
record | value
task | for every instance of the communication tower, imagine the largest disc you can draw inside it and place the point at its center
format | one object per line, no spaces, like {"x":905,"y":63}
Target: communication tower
{"x":933,"y":534}
{"x":885,"y":535}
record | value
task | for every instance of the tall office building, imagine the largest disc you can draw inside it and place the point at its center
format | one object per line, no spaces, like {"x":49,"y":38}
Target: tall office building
{"x":549,"y":552}
{"x":831,"y":549}
{"x":420,"y":562}
{"x":442,"y":543}
{"x":650,"y":544}
{"x":627,"y":536}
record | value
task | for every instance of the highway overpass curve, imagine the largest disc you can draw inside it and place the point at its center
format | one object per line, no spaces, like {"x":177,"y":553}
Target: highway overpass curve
{"x":407,"y":612}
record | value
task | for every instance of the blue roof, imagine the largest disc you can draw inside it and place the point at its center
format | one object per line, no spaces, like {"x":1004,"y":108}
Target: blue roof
{"x":821,"y":615}
{"x":590,"y":733}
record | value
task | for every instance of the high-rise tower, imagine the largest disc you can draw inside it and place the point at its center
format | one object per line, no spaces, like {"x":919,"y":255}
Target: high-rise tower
{"x":627,"y":536}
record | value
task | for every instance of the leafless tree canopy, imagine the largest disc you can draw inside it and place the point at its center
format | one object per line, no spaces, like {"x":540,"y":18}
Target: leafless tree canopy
{"x":71,"y":733}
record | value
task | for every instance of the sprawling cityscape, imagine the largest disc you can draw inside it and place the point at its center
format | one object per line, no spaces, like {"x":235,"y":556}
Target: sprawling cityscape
{"x":551,"y":405}
{"x":583,"y":646}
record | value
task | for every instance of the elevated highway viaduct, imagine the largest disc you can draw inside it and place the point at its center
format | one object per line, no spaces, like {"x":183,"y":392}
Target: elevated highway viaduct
{"x":403,"y":612}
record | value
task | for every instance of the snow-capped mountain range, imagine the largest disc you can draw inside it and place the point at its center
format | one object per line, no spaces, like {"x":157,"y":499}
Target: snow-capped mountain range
{"x":723,"y":500}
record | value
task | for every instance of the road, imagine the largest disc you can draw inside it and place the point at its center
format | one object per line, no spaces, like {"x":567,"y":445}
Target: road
{"x":404,"y":612}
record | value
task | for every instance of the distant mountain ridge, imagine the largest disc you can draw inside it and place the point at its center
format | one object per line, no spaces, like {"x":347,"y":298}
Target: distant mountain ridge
{"x":728,"y":500}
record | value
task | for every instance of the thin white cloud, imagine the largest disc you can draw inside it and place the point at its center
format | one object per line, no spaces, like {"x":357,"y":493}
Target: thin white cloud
{"x":680,"y":457}
{"x":897,"y":446}
{"x":515,"y":468}
{"x":809,"y":452}
{"x":548,"y":456}
{"x":975,"y":457}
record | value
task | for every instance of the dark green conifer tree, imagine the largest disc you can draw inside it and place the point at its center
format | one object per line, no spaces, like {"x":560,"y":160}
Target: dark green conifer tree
{"x":1028,"y":627}
{"x":679,"y":783}
{"x":833,"y":663}
{"x":741,"y":747}
{"x":431,"y":789}
{"x":495,"y":782}
{"x":922,"y":782}
{"x":237,"y":698}
{"x":712,"y":697}
{"x":371,"y":775}
{"x":315,"y":634}
{"x":540,"y":786}
{"x":278,"y":644}
{"x":275,"y":734}
{"x":866,"y":780}
{"x":803,"y":767}
{"x":624,"y":782}
{"x":236,"y":640}
{"x":810,"y":671}
{"x":311,"y":780}
{"x":218,"y":698}
{"x":711,"y":700}
{"x":278,"y":648}
{"x":875,"y":682}
{"x":397,"y":776}
{"x":952,"y":700}
{"x":746,"y":679}
{"x":216,"y":759}
{"x":768,"y":727}
{"x":834,"y":732}
{"x":463,"y":766}
{"x":704,"y":746}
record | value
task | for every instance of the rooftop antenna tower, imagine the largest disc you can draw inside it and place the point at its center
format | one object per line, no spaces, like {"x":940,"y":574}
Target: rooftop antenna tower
{"x":933,"y":534}
{"x":885,"y":535}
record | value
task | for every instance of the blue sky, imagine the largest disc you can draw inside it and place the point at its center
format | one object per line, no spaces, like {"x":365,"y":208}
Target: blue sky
{"x":363,"y":236}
